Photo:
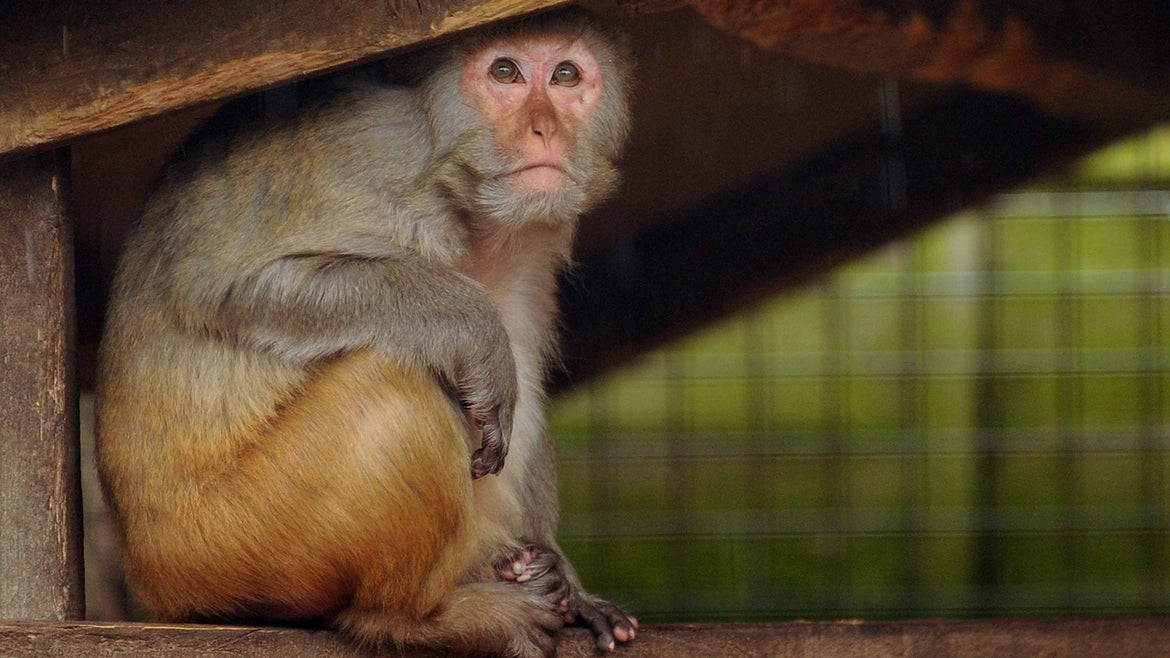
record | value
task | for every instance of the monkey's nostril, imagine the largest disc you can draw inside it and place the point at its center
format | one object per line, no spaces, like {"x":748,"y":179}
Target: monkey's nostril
{"x":543,"y":124}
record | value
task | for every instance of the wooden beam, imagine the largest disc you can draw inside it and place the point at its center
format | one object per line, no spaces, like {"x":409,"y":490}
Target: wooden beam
{"x":74,"y":68}
{"x":1106,"y":63}
{"x":1074,"y":638}
{"x":40,"y":519}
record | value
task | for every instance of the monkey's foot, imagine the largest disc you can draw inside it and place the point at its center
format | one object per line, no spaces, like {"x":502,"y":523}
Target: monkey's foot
{"x":542,"y":571}
{"x":609,"y":623}
{"x":548,"y":571}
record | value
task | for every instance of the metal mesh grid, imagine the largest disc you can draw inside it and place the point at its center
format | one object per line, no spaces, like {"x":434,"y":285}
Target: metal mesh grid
{"x":970,"y":422}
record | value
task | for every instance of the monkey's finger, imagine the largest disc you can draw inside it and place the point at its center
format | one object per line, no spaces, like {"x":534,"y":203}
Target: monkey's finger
{"x":547,"y":580}
{"x":554,"y":586}
{"x":624,"y":626}
{"x":519,"y":568}
{"x":479,"y":467}
{"x":489,"y":458}
{"x":625,"y":630}
{"x":511,"y":571}
{"x":561,"y":596}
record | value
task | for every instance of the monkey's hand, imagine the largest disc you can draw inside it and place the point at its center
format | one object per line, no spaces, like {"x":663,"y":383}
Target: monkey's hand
{"x":471,"y":350}
{"x":487,"y":386}
{"x":489,"y":458}
{"x":536,"y":563}
{"x":535,"y":572}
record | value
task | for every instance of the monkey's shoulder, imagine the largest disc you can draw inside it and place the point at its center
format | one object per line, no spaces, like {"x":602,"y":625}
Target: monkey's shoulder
{"x":352,"y":139}
{"x":348,"y":115}
{"x":381,"y":125}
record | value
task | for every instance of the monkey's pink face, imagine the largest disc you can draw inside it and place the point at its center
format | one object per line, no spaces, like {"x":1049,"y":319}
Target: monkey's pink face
{"x":535,"y":93}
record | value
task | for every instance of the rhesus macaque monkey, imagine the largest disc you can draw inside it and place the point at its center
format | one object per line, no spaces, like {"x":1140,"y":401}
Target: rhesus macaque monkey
{"x":327,"y":332}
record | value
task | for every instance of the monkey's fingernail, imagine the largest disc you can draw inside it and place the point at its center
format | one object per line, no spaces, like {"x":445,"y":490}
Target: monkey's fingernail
{"x":517,"y":567}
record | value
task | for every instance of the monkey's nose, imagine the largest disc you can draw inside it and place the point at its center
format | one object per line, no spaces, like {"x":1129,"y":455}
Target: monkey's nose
{"x":544,"y":125}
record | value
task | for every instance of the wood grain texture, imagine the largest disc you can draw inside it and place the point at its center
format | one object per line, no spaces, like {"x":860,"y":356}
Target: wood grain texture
{"x":1130,"y":637}
{"x":40,"y":522}
{"x":1067,"y":58}
{"x":71,"y":69}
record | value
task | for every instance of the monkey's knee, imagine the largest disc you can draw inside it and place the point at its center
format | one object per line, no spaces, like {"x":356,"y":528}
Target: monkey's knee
{"x":388,"y":413}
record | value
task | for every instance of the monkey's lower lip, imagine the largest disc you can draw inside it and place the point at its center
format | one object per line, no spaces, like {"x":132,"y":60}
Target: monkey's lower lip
{"x":538,"y":178}
{"x":533,"y":167}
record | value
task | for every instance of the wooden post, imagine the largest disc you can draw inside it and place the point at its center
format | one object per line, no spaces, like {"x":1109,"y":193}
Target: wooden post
{"x":40,"y":518}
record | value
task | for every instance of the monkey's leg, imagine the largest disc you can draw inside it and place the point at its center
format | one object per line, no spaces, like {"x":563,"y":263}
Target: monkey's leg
{"x":500,"y":618}
{"x":468,"y":614}
{"x":353,"y":504}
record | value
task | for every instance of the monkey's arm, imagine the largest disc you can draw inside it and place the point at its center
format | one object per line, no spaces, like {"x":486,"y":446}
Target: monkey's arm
{"x":310,"y":306}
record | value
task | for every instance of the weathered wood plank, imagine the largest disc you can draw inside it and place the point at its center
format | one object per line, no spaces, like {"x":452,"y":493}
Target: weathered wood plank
{"x":70,"y":69}
{"x":1106,"y":63}
{"x":40,"y":521}
{"x":1130,"y":637}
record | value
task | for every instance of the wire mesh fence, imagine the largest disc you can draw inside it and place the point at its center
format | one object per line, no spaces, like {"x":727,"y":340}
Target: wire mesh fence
{"x":974,"y":421}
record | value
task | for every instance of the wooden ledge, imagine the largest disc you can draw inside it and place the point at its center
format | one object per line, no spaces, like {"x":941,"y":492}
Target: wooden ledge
{"x":1132,"y":637}
{"x":72,"y":69}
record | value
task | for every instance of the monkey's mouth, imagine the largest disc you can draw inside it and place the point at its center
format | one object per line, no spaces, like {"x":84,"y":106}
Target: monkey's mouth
{"x":538,"y":177}
{"x":540,"y":166}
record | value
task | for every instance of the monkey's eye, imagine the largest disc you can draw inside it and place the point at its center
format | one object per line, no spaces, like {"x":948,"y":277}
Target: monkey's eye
{"x":505,"y":71}
{"x":566,"y":75}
